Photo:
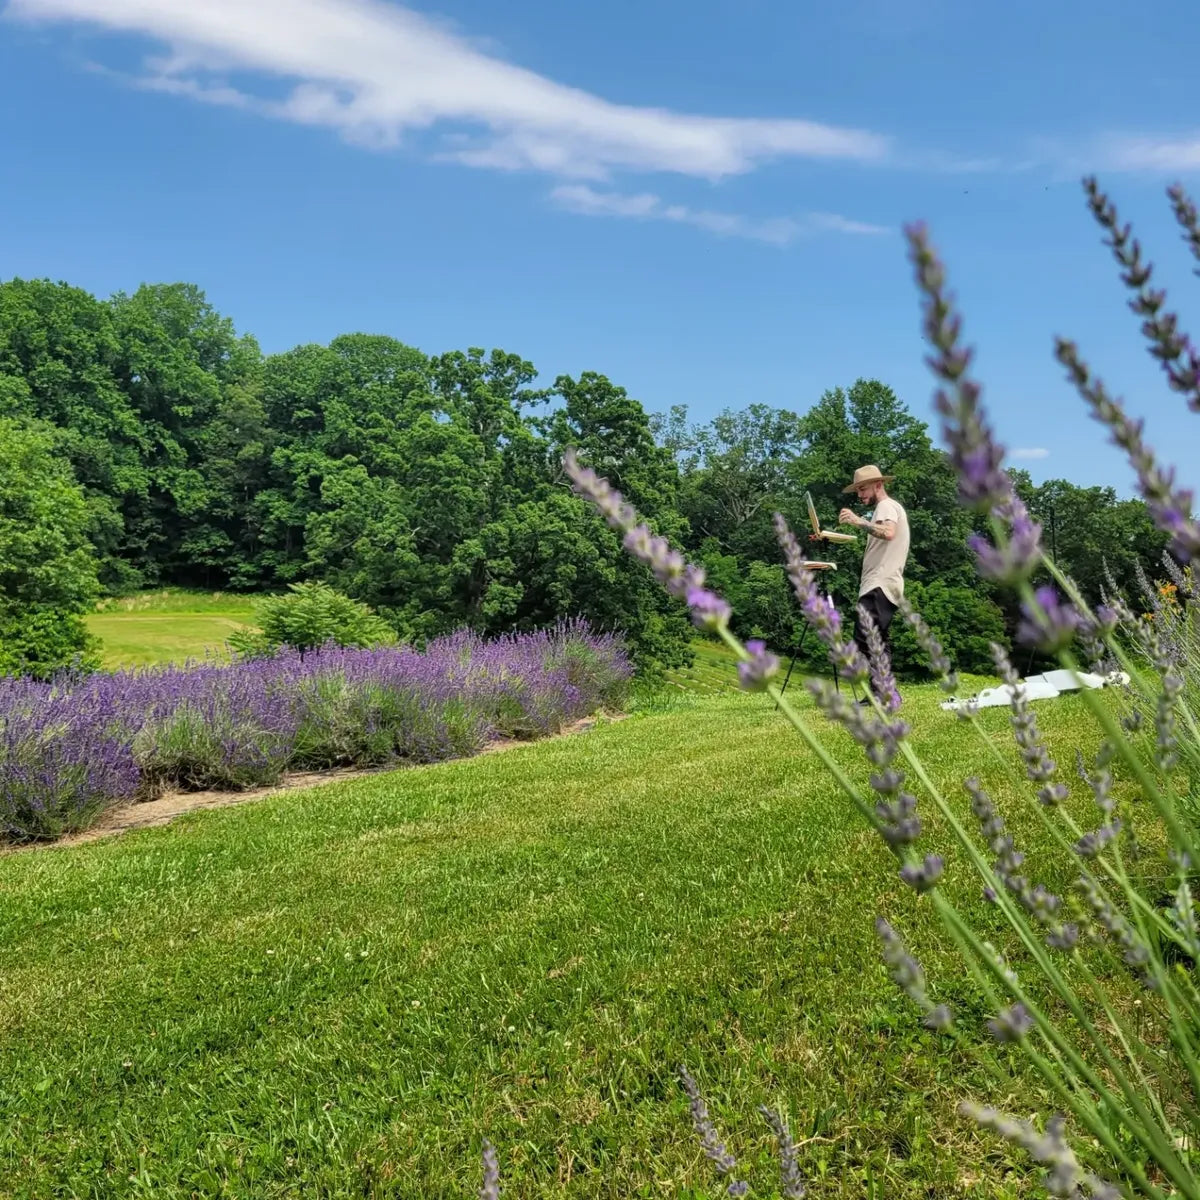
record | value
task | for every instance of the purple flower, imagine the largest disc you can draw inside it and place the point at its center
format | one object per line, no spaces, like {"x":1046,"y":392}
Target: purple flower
{"x":760,"y":670}
{"x":681,"y":579}
{"x":883,"y":682}
{"x":1019,"y":552}
{"x":791,"y":1186}
{"x":710,"y":1142}
{"x":1039,"y":766}
{"x":977,"y":456}
{"x":938,"y":661}
{"x":491,"y":1173}
{"x":906,"y":973}
{"x":709,"y":611}
{"x":1170,"y":507}
{"x":922,"y":877}
{"x":880,"y":739}
{"x":818,"y":610}
{"x":1169,"y":345}
{"x":1043,"y":906}
{"x":1118,"y":927}
{"x":1066,"y":1177}
{"x":1048,"y":624}
{"x":1092,"y":843}
{"x":1011,"y":1024}
{"x":73,"y":745}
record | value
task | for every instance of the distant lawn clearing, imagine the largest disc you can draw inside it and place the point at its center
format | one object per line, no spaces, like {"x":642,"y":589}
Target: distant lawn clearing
{"x":168,"y":626}
{"x":339,"y":992}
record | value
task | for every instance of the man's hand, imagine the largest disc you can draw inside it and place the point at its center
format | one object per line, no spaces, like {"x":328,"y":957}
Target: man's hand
{"x":849,"y":517}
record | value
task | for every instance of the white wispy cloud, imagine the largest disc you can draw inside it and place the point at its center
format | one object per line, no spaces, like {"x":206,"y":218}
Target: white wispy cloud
{"x":376,"y":72}
{"x":1149,"y":152}
{"x":779,"y":231}
{"x":1027,"y":452}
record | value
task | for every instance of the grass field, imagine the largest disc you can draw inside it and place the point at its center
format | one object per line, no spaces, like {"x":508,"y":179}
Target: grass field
{"x":168,"y":626}
{"x":339,"y":992}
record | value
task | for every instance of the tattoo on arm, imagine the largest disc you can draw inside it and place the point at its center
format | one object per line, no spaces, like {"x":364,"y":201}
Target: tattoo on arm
{"x":878,"y":530}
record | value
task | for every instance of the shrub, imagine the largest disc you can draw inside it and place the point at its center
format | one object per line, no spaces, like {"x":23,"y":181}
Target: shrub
{"x":74,"y":744}
{"x":63,"y":758}
{"x":964,"y":621}
{"x":307,"y":616}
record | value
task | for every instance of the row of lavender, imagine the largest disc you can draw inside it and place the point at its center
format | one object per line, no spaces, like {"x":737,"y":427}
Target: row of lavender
{"x":74,"y":746}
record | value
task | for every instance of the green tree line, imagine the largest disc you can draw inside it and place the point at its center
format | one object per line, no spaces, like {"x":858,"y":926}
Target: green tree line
{"x":145,"y":428}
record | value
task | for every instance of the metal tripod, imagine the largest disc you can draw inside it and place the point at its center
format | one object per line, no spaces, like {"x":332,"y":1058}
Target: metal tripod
{"x":837,"y":682}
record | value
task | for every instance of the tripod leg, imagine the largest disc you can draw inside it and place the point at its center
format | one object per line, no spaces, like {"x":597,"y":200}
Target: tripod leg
{"x":792,"y":663}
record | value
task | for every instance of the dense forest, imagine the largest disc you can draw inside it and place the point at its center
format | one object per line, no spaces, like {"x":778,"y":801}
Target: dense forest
{"x":144,"y":442}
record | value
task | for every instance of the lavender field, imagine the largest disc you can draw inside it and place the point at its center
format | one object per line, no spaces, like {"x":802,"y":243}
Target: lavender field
{"x":74,"y":746}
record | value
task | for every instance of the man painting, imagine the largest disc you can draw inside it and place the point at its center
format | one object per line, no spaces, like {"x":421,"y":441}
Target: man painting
{"x":886,"y":526}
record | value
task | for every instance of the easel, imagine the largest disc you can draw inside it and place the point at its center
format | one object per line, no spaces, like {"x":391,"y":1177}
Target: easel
{"x":818,"y":535}
{"x":837,"y":681}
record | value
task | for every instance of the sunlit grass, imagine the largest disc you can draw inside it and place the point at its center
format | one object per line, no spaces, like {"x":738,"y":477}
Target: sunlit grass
{"x":168,"y":626}
{"x":339,"y":992}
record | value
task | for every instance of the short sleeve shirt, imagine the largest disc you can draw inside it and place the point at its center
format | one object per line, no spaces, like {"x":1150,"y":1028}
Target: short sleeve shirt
{"x":883,"y":561}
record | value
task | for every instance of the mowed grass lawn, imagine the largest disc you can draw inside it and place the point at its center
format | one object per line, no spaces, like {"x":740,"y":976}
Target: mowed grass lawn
{"x":340,"y":992}
{"x":167,"y":626}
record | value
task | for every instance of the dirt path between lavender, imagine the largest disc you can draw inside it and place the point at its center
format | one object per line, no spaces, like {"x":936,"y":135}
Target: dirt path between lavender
{"x":148,"y":813}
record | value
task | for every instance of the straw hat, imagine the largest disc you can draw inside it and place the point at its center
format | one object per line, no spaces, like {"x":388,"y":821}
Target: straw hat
{"x":867,"y":474}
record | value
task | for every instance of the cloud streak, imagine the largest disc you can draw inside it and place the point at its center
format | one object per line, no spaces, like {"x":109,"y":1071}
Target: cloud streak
{"x":379,"y":73}
{"x":1153,"y":153}
{"x":588,"y":201}
{"x":1031,"y":452}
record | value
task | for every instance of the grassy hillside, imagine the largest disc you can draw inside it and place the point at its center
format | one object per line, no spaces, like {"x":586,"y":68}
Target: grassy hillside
{"x":340,"y":992}
{"x":167,"y":626}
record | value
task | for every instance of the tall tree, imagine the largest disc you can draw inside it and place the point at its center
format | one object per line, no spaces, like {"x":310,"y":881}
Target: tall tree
{"x":1087,"y":530}
{"x":178,"y":362}
{"x":47,"y":565}
{"x":59,"y":360}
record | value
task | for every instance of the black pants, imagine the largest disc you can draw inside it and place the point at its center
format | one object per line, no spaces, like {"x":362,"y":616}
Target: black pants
{"x":882,"y":610}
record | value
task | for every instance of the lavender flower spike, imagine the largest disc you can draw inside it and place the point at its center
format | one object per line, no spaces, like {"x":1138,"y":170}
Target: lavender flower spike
{"x":760,"y":670}
{"x":1011,"y":1024}
{"x":922,"y":877}
{"x":1016,"y":557}
{"x":1066,"y":1177}
{"x":1189,"y":220}
{"x":1170,"y":507}
{"x":942,"y":667}
{"x":790,"y":1183}
{"x":883,"y":682}
{"x":713,"y":1147}
{"x":793,"y":557}
{"x":1169,"y":345}
{"x":1039,"y":766}
{"x":906,"y":974}
{"x":491,"y":1173}
{"x":977,"y":457}
{"x":1048,"y":624}
{"x":818,"y":611}
{"x":682,"y":579}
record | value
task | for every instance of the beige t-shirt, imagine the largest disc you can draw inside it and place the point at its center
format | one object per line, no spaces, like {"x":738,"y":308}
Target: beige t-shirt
{"x":883,"y":561}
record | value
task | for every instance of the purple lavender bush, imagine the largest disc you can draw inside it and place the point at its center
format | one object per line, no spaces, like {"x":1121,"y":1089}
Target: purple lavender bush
{"x":1126,"y":1081}
{"x":74,"y":745}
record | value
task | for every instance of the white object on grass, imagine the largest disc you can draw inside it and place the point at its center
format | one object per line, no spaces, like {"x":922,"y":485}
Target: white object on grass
{"x":1038,"y":687}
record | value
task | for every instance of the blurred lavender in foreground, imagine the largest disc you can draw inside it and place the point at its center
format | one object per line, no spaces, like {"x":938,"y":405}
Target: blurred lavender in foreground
{"x":1131,"y":1086}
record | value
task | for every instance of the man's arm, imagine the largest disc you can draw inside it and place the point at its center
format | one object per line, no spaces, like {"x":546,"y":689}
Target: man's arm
{"x":885,"y":530}
{"x":879,"y":529}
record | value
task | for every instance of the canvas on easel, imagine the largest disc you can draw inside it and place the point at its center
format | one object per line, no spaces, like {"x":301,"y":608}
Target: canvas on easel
{"x":826,"y":535}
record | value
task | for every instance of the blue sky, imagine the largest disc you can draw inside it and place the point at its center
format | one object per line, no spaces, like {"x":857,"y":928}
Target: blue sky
{"x":703,"y":200}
